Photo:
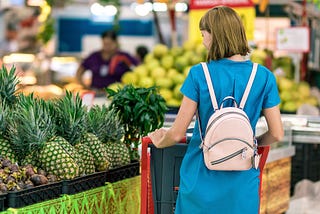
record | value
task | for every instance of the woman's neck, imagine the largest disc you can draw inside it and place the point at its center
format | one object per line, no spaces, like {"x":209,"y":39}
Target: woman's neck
{"x":236,"y":57}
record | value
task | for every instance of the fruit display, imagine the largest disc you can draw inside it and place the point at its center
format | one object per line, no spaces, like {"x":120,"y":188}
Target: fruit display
{"x":106,"y":125}
{"x":292,"y":94}
{"x":57,"y":135}
{"x":282,"y":65}
{"x":295,"y":94}
{"x":14,"y":178}
{"x":166,"y":68}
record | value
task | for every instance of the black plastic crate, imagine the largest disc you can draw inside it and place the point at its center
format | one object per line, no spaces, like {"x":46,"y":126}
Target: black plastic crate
{"x":2,"y":200}
{"x":16,"y":199}
{"x":123,"y":172}
{"x":165,"y":176}
{"x":84,"y":183}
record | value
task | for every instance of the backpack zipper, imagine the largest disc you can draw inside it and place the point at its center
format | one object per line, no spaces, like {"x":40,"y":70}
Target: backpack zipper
{"x":241,"y":151}
{"x":229,"y":138}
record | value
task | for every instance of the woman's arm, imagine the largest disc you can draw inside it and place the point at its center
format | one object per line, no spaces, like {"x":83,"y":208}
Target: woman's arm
{"x":79,"y":74}
{"x":275,"y":129}
{"x":168,"y":137}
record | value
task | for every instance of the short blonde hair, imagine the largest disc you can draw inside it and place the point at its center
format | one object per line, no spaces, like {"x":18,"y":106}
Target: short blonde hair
{"x":227,"y":33}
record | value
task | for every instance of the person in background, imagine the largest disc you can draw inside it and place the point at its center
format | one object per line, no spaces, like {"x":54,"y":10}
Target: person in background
{"x":205,"y":191}
{"x":106,"y":65}
{"x":10,"y":42}
{"x":141,"y":52}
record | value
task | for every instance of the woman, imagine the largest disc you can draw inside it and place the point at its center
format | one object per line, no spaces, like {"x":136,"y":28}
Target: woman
{"x":221,"y":192}
{"x":108,"y":64}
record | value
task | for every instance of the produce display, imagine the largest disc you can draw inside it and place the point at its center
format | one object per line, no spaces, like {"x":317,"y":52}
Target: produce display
{"x":60,"y":138}
{"x":14,"y":178}
{"x":165,"y":68}
{"x":293,"y":94}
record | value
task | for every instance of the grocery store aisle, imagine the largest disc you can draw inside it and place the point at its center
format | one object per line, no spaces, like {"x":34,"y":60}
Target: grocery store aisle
{"x":306,"y":198}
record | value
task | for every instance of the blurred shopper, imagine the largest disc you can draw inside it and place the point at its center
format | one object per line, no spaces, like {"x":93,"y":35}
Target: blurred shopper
{"x":221,"y":192}
{"x":10,"y":42}
{"x":106,"y":65}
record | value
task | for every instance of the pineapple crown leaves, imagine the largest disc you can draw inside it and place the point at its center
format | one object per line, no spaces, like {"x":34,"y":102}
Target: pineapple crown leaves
{"x":4,"y":115}
{"x":8,"y":84}
{"x":70,"y":117}
{"x":141,"y":109}
{"x":31,"y":125}
{"x":105,"y":123}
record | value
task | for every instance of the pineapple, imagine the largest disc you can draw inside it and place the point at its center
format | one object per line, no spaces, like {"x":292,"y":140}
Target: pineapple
{"x":8,"y":85}
{"x":71,"y":123}
{"x":106,"y":125}
{"x":33,"y":133}
{"x":5,"y":147}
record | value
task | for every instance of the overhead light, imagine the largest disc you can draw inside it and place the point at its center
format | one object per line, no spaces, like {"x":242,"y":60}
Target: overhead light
{"x":100,"y":10}
{"x":145,"y":8}
{"x":103,"y":13}
{"x":142,"y":9}
{"x":181,"y":7}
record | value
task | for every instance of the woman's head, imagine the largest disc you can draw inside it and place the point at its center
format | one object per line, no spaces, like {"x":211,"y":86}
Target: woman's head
{"x":109,"y":41}
{"x":223,"y":32}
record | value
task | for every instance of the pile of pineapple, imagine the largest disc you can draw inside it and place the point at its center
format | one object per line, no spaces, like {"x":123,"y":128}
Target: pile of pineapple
{"x":61,"y":136}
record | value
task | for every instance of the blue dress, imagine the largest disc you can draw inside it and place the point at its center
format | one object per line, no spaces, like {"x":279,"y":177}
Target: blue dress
{"x":222,"y":192}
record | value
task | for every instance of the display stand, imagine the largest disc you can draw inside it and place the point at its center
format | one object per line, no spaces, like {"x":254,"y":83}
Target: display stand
{"x":113,"y":198}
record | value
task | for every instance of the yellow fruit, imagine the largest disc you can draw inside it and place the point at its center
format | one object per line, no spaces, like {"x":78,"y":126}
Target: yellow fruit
{"x":167,"y":61}
{"x":181,"y":62}
{"x":173,"y":102}
{"x":176,"y":92}
{"x":115,"y":86}
{"x":178,"y":78}
{"x":129,"y":78}
{"x":176,"y":51}
{"x":304,"y":89}
{"x":160,"y":50}
{"x":290,"y":106}
{"x":166,"y":93}
{"x":141,"y":70}
{"x":285,"y":84}
{"x":153,"y":63}
{"x":158,"y":72}
{"x":146,"y":82}
{"x":163,"y":82}
{"x":172,"y":72}
{"x":186,"y":70}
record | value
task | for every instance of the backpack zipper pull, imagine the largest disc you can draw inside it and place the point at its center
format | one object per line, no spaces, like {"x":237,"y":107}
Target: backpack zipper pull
{"x":244,"y":153}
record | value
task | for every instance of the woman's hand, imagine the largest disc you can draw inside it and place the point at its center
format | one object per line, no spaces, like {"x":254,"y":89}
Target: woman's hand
{"x":157,"y":135}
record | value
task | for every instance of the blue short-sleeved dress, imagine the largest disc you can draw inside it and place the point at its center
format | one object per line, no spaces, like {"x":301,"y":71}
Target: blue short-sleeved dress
{"x":222,"y":192}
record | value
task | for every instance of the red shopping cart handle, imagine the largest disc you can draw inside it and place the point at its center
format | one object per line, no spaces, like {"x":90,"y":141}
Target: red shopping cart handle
{"x":147,"y":140}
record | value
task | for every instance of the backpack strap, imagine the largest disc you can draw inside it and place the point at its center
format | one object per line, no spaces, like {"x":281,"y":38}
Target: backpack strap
{"x":249,"y":84}
{"x":209,"y":83}
{"x":212,"y":96}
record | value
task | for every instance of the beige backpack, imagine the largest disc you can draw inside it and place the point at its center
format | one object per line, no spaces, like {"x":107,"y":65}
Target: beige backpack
{"x":229,"y":142}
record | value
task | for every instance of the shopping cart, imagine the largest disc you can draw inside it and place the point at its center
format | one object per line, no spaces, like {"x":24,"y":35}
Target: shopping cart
{"x":159,"y":188}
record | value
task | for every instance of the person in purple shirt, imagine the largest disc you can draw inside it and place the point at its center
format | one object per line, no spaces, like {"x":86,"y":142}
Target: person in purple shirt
{"x":108,"y":64}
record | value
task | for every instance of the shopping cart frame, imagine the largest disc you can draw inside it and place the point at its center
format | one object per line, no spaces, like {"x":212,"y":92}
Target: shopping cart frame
{"x":147,"y":205}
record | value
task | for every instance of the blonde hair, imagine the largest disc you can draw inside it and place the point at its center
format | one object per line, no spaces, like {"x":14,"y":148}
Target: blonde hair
{"x":227,"y":33}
